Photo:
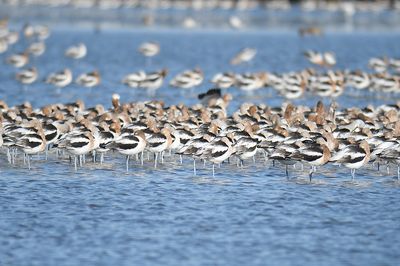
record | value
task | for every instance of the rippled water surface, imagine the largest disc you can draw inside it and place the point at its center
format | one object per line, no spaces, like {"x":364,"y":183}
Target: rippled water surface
{"x":102,"y":215}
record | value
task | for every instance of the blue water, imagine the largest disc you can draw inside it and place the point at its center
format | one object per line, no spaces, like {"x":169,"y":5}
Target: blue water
{"x":101,"y":215}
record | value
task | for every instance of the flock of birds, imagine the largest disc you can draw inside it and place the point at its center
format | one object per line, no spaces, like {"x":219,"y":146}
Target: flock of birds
{"x":349,"y":7}
{"x":291,"y":85}
{"x":288,"y":134}
{"x":205,"y":132}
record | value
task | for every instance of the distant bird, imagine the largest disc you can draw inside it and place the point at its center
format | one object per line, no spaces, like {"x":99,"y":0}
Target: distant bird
{"x":149,"y":49}
{"x":42,"y":32}
{"x":60,"y":79}
{"x":36,"y":48}
{"x":27,"y":76}
{"x":188,"y":79}
{"x":245,"y":55}
{"x":28,"y":31}
{"x":150,"y":81}
{"x":379,"y":64}
{"x":89,"y":80}
{"x":209,"y":95}
{"x":353,"y":156}
{"x":12,"y":37}
{"x":235,"y":22}
{"x":133,"y":80}
{"x":310,"y":31}
{"x":224,"y":80}
{"x":76,"y":52}
{"x":189,"y":23}
{"x":3,"y":45}
{"x":18,"y":60}
{"x":326,"y":59}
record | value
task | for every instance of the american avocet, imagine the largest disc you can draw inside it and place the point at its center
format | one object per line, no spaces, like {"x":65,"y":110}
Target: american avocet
{"x":322,"y":59}
{"x":77,"y":51}
{"x":378,"y":64}
{"x":89,"y":80}
{"x":249,"y":82}
{"x":158,"y":143}
{"x":33,"y":142}
{"x":315,"y":31}
{"x":134,"y":80}
{"x":77,"y":143}
{"x":206,"y":97}
{"x":188,"y":79}
{"x":153,"y":81}
{"x":12,"y":37}
{"x":353,"y":156}
{"x":245,"y":55}
{"x":18,"y":60}
{"x":315,"y":154}
{"x":60,"y":79}
{"x":224,"y":80}
{"x":27,"y":76}
{"x":358,"y":80}
{"x":235,"y":22}
{"x":3,"y":45}
{"x":129,"y":144}
{"x":394,"y":63}
{"x":246,"y":146}
{"x":36,"y":48}
{"x":218,"y":151}
{"x":149,"y":49}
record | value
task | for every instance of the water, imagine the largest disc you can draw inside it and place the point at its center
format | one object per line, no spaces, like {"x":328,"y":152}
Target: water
{"x":101,"y":215}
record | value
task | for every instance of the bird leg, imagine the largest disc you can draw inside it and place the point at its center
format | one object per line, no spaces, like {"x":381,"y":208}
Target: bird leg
{"x":311,"y":172}
{"x":75,"y":162}
{"x":287,"y":172}
{"x":127,"y":163}
{"x":194,"y":166}
{"x":353,"y":170}
{"x":213,"y":170}
{"x":8,"y":155}
{"x":29,"y":161}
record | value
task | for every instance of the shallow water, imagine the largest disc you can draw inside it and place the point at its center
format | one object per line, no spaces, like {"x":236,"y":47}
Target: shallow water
{"x":52,"y":215}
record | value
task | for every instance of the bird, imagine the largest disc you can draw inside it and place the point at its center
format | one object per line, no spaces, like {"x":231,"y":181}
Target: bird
{"x":129,"y":144}
{"x":326,"y":59}
{"x":209,"y":95}
{"x":379,"y":65}
{"x":37,"y":48}
{"x":27,"y":76}
{"x":32,"y":142}
{"x":89,"y":79}
{"x":218,"y":151}
{"x":158,"y":142}
{"x":77,"y":143}
{"x":3,"y":45}
{"x":77,"y":51}
{"x":18,"y":60}
{"x":149,"y":49}
{"x":154,"y":80}
{"x":315,"y":154}
{"x":245,"y":55}
{"x":134,"y":80}
{"x":60,"y":79}
{"x":188,"y":79}
{"x":312,"y":31}
{"x":353,"y":156}
{"x":250,"y":82}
